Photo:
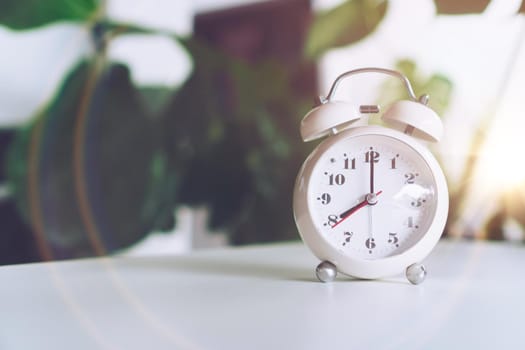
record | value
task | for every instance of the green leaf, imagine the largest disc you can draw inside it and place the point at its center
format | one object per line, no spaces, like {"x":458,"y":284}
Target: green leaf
{"x":233,"y":130}
{"x":155,"y":98}
{"x":440,"y":89}
{"x":345,"y":24}
{"x":455,"y":7}
{"x":26,"y":14}
{"x":437,"y":86}
{"x":88,"y":172}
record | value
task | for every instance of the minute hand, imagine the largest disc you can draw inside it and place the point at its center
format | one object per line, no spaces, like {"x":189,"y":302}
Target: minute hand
{"x":346,"y":214}
{"x":371,"y":171}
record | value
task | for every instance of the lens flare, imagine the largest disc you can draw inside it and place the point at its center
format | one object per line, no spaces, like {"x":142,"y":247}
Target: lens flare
{"x":500,"y":165}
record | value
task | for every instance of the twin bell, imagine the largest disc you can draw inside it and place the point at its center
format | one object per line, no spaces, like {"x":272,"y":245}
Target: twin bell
{"x":411,"y":116}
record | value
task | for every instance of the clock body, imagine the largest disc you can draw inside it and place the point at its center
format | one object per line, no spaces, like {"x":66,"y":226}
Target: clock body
{"x":370,"y":200}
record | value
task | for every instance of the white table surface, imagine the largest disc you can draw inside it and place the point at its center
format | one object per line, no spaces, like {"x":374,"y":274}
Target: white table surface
{"x":264,"y":297}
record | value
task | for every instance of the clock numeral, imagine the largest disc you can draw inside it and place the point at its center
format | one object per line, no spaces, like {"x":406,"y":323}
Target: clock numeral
{"x":371,"y":156}
{"x":325,"y":198}
{"x":370,"y":243}
{"x":347,"y":237}
{"x":350,"y":163}
{"x":392,"y":238}
{"x":417,"y":202}
{"x":410,"y":178}
{"x":332,"y":221}
{"x":393,"y":162}
{"x":410,"y":222}
{"x":338,"y":179}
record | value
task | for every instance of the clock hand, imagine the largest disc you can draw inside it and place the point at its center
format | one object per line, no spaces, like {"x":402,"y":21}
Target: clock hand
{"x":350,"y":211}
{"x":371,"y":158}
{"x":370,"y":199}
{"x":370,"y":228}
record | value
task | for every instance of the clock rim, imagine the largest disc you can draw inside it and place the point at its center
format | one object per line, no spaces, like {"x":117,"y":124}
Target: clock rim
{"x":361,"y":268}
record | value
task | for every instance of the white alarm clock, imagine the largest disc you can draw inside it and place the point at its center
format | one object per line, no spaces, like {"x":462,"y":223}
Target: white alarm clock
{"x":371,"y":201}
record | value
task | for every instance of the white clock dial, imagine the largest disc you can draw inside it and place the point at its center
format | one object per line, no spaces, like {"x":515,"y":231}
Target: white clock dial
{"x":356,"y":172}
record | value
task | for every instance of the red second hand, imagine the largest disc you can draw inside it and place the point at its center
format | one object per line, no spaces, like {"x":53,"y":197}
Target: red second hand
{"x":354,"y":209}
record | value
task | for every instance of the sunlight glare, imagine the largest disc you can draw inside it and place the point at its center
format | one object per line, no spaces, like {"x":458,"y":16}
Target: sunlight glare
{"x":501,"y":167}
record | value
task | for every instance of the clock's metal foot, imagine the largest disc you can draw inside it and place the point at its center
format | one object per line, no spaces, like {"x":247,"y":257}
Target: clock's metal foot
{"x":416,"y":273}
{"x":326,"y":271}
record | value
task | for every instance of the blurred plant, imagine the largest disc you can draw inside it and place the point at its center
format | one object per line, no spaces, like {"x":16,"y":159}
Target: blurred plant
{"x":107,"y":162}
{"x":438,"y":85}
{"x":342,"y":25}
{"x":510,"y":204}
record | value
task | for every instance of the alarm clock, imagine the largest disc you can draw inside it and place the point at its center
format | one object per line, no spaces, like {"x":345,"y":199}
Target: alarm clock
{"x":371,"y":201}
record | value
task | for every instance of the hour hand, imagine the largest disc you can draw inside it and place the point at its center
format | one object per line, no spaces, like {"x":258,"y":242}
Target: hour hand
{"x":352,"y":210}
{"x":370,"y":199}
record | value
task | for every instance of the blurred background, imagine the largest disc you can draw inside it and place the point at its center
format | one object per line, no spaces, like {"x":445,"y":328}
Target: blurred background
{"x":157,"y":127}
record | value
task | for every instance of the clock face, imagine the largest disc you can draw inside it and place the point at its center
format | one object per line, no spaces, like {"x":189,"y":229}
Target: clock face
{"x":371,"y":196}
